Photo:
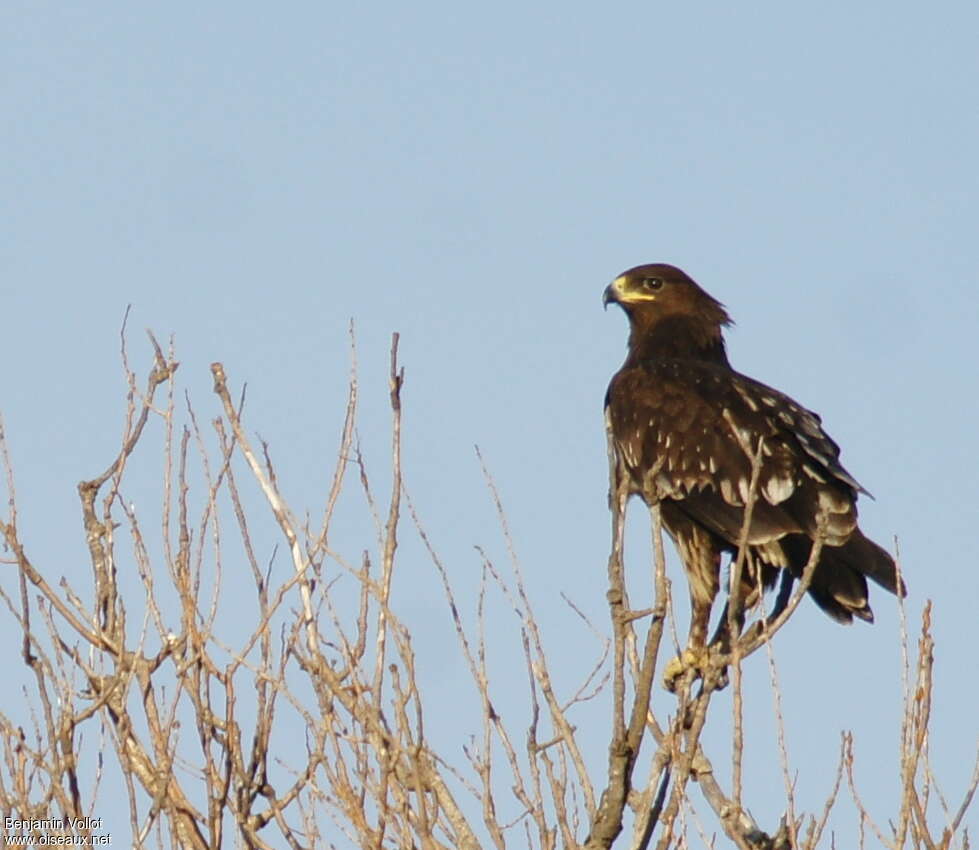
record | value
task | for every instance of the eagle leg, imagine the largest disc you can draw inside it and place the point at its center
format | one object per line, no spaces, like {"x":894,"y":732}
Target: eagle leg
{"x":782,"y":599}
{"x":699,"y":656}
{"x":699,"y":623}
{"x":753,"y":578}
{"x":747,"y":596}
{"x":703,"y":590}
{"x":723,"y":638}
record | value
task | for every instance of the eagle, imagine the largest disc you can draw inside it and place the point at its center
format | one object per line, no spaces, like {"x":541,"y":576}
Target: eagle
{"x":687,"y":431}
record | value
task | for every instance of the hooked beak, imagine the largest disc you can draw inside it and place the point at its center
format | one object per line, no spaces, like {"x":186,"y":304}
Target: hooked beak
{"x":611,"y":293}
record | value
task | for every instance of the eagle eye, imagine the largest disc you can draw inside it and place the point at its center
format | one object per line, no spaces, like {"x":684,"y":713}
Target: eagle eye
{"x":652,"y":283}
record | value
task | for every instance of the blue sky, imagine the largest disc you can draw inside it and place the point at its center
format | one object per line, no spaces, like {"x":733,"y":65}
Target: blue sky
{"x":251,"y":179}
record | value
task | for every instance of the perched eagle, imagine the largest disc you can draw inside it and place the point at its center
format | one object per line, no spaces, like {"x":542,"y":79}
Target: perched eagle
{"x":685,"y":426}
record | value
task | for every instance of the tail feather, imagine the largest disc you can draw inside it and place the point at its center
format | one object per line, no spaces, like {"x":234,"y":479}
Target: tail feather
{"x":840,"y":591}
{"x":861,"y":553}
{"x":839,"y":582}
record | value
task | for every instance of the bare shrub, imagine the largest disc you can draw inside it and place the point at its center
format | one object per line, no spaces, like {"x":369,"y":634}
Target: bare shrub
{"x":300,"y":723}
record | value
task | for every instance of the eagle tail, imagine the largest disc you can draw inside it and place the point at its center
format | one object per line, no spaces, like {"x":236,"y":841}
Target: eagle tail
{"x":840,"y":590}
{"x":873,"y":561}
{"x":839,"y":583}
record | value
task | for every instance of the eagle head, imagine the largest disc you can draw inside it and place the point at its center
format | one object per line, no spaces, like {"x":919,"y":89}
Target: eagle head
{"x":669,"y":314}
{"x":661,"y":290}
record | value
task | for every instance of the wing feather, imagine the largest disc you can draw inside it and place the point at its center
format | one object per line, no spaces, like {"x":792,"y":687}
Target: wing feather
{"x":686,"y":430}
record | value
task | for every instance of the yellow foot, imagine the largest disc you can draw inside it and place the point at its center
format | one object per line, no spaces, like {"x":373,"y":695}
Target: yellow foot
{"x":690,"y":659}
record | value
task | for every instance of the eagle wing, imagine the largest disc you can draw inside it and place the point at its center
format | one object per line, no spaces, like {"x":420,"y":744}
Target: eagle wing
{"x":686,"y":431}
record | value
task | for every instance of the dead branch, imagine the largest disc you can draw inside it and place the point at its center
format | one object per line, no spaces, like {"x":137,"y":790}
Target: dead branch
{"x":191,"y":695}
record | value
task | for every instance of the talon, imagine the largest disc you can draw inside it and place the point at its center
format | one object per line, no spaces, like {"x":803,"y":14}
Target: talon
{"x":689,"y":659}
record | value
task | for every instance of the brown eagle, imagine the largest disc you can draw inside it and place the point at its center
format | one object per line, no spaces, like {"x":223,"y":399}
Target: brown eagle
{"x":685,"y":426}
